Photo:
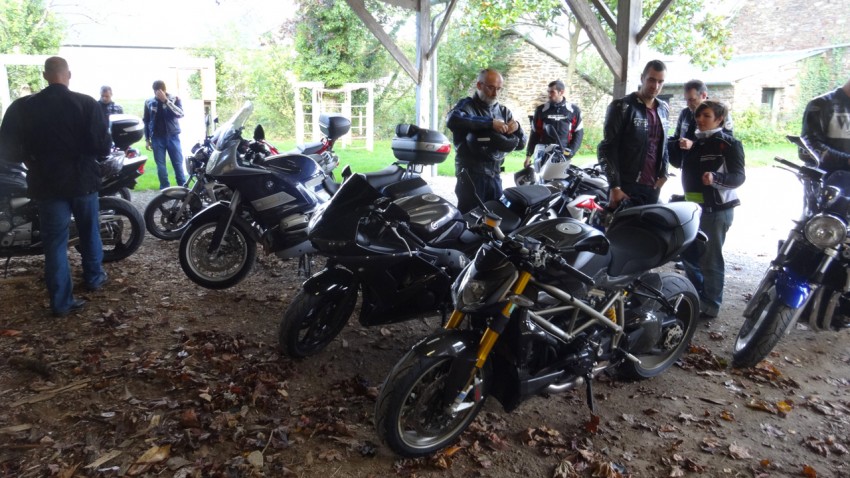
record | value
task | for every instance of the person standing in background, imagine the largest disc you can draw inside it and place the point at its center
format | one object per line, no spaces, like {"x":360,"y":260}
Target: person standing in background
{"x":162,"y":133}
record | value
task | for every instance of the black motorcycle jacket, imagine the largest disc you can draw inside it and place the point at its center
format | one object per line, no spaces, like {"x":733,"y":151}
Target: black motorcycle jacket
{"x":60,"y":135}
{"x":826,"y":127}
{"x":720,"y":154}
{"x":565,"y":120}
{"x":471,"y":115}
{"x":623,"y":150}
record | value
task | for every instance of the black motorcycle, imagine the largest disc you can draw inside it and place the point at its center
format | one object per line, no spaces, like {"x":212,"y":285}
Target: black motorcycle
{"x":122,"y":228}
{"x":544,"y":311}
{"x":125,"y":164}
{"x":809,"y":276}
{"x":400,"y":256}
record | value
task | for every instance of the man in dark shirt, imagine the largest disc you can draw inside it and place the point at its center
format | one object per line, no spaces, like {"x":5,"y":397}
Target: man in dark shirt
{"x":162,"y":133}
{"x":60,"y":136}
{"x":109,"y":107}
{"x":634,"y":147}
{"x":826,"y":127}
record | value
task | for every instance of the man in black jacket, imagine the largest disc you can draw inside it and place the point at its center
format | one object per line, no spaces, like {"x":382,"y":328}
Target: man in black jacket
{"x":563,"y":117}
{"x":162,"y":133}
{"x":60,"y":135}
{"x":826,"y":127}
{"x":683,"y":137}
{"x":634,"y":145}
{"x":483,"y":133}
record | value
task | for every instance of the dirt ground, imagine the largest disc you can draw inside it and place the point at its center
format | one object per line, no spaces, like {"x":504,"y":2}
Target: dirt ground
{"x":160,"y":377}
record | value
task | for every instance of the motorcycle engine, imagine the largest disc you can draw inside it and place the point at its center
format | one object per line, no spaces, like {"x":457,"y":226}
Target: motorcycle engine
{"x":15,"y":223}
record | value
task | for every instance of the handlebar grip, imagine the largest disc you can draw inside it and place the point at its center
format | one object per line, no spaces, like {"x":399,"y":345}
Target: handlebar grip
{"x":561,"y":264}
{"x":785,"y":162}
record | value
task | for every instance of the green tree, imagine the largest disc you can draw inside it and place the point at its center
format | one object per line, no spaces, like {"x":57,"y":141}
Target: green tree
{"x":27,"y":27}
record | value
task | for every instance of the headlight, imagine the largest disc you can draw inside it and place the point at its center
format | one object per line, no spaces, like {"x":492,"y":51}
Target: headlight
{"x":485,"y":281}
{"x":825,"y":231}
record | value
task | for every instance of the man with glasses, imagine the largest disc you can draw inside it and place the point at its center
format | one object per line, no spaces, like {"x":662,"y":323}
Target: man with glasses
{"x":564,"y":120}
{"x":483,"y":133}
{"x":682,"y":140}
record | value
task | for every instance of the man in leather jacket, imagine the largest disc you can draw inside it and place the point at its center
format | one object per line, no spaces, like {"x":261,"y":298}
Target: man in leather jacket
{"x":162,"y":133}
{"x":826,"y":127}
{"x":483,"y":133}
{"x":634,"y":147}
{"x":683,"y":137}
{"x":563,"y":117}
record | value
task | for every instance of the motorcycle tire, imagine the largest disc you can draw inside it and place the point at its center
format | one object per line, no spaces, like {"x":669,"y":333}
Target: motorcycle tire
{"x":677,"y":331}
{"x":166,"y":217}
{"x":312,"y":321}
{"x":412,"y":416}
{"x":221,"y":270}
{"x":122,"y":228}
{"x":761,"y":332}
{"x":123,"y":193}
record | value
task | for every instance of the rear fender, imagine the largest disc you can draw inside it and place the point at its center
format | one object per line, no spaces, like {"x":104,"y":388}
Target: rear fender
{"x":327,"y":280}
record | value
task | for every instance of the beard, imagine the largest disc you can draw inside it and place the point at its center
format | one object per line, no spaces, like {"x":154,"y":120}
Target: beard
{"x":485,"y":100}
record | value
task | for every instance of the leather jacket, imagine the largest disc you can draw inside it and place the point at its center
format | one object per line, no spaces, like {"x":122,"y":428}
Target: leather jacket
{"x":172,"y":109}
{"x":565,"y":120}
{"x":623,"y":150}
{"x":722,"y":155}
{"x":471,"y":115}
{"x":826,"y":127}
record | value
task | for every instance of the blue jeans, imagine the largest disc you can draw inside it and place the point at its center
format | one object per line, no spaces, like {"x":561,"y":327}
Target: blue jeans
{"x":704,"y":263}
{"x":171,"y":144}
{"x":486,"y":187}
{"x":55,"y":218}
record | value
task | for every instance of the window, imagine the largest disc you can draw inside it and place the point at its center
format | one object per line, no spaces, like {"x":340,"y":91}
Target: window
{"x":767,"y":97}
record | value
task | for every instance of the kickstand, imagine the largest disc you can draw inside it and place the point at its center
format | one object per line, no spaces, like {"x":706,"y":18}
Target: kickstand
{"x":6,"y":269}
{"x":588,"y":380}
{"x":305,"y":268}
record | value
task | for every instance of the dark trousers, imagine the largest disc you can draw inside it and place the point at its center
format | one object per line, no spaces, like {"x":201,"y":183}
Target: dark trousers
{"x":640,"y":194}
{"x":486,"y":187}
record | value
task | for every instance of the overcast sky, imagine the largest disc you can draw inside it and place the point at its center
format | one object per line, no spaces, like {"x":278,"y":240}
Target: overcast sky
{"x":180,"y":23}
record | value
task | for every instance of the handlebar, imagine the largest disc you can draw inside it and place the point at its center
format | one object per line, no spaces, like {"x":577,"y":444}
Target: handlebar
{"x":560,"y":263}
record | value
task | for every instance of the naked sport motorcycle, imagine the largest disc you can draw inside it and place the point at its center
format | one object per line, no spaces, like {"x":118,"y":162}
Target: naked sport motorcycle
{"x":545,"y":310}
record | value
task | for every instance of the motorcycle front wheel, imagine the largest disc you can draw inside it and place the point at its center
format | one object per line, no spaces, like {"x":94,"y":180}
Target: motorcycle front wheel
{"x":220,"y":269}
{"x":166,"y":217}
{"x":413,"y":416}
{"x":761,"y":332}
{"x":676,"y":330}
{"x":311,"y":321}
{"x":122,"y":228}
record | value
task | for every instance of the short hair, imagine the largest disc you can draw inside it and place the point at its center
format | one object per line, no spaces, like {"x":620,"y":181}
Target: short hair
{"x":105,"y":88}
{"x":558,"y":85}
{"x":697,"y":85}
{"x":54,"y":65}
{"x":482,"y":75}
{"x":158,"y":85}
{"x":720,"y":110}
{"x":656,"y":65}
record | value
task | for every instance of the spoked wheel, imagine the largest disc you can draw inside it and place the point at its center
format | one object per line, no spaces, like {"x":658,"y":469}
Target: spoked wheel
{"x":166,"y":217}
{"x":761,"y":332}
{"x":413,"y":415}
{"x":311,"y":322}
{"x":122,"y":228}
{"x":676,"y":330}
{"x":220,"y":269}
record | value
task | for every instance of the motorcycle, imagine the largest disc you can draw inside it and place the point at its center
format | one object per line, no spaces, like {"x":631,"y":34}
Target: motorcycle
{"x":124,"y":164}
{"x":122,"y":228}
{"x":545,"y":310}
{"x":808,"y":277}
{"x":399,"y":255}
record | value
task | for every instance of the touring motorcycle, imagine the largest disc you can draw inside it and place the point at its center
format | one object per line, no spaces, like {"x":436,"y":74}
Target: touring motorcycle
{"x":808,"y":277}
{"x":125,"y":164}
{"x":545,"y":310}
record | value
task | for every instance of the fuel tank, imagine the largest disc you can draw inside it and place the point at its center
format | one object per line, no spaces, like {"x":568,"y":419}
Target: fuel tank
{"x":433,"y":219}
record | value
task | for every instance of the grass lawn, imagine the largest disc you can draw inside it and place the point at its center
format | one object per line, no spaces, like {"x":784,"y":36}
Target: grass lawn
{"x":363,"y":161}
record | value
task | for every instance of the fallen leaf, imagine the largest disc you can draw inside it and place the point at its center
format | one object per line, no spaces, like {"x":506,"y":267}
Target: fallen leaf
{"x":809,"y":472}
{"x":565,"y":469}
{"x":738,"y":452}
{"x":9,"y":333}
{"x":592,"y":426}
{"x":255,"y":458}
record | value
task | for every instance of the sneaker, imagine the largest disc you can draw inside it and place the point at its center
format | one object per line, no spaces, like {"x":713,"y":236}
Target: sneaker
{"x":76,"y":305}
{"x":99,"y":284}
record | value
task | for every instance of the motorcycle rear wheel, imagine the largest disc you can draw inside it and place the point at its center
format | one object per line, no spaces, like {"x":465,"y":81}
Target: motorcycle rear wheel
{"x":166,"y":217}
{"x":763,"y":331}
{"x":122,"y":228}
{"x":224,"y":268}
{"x":311,"y":321}
{"x":411,"y":414}
{"x":677,"y":331}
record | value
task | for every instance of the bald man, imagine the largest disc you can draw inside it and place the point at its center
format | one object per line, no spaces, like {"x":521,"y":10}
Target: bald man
{"x":60,"y":135}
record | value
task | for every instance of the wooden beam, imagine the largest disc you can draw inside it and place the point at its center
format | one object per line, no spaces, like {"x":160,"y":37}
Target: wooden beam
{"x":360,"y":10}
{"x":408,"y":4}
{"x":628,"y":23}
{"x":424,"y":40}
{"x":448,"y":15}
{"x":598,"y":37}
{"x":653,"y":20}
{"x":606,"y":13}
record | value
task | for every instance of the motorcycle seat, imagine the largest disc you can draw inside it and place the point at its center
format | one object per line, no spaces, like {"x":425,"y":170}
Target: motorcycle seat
{"x":309,"y":148}
{"x":384,"y":177}
{"x":527,"y":196}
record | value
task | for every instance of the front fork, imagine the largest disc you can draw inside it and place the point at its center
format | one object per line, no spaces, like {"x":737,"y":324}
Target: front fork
{"x":224,"y":224}
{"x":469,"y":371}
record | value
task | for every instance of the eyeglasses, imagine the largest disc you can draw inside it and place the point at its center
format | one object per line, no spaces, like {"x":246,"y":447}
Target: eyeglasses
{"x":492,"y":88}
